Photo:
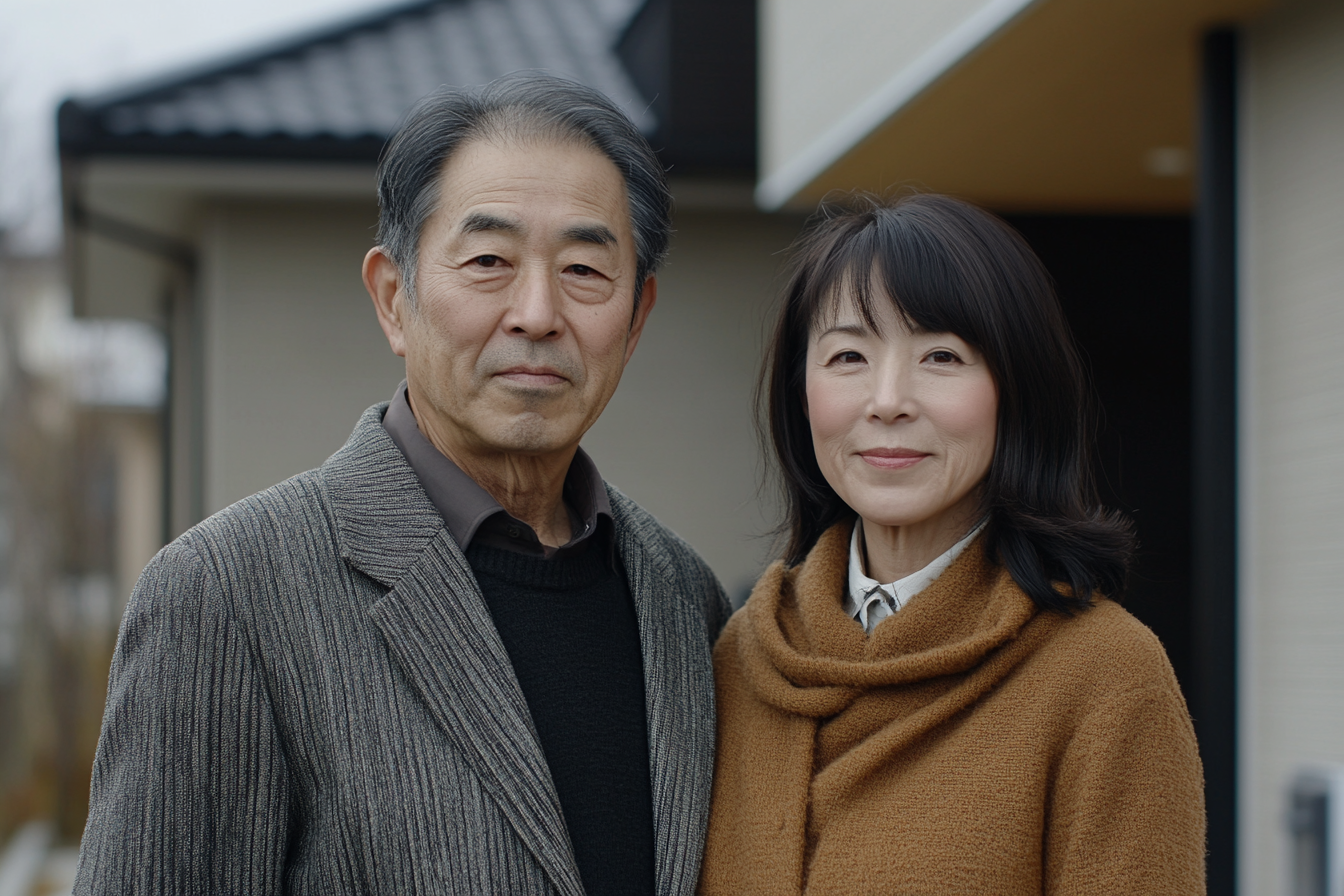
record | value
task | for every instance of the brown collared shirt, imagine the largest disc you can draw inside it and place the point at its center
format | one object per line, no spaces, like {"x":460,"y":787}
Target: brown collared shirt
{"x":473,"y":516}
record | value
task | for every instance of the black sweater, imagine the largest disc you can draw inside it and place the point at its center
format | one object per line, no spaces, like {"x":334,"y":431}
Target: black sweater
{"x":569,"y":626}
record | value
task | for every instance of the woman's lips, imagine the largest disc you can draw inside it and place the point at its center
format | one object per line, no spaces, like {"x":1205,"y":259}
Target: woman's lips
{"x":892,"y":458}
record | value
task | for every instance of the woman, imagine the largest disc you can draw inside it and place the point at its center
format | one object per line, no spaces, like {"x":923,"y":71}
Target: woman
{"x":933,"y":692}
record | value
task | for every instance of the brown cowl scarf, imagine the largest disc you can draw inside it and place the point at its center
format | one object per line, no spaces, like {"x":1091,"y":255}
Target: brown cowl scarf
{"x":971,"y":745}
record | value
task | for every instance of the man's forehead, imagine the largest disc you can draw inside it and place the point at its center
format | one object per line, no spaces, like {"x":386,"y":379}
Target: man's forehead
{"x":511,"y":187}
{"x":504,"y":163}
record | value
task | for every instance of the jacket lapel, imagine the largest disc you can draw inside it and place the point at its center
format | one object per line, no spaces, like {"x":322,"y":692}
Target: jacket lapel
{"x":678,"y":693}
{"x":438,"y":628}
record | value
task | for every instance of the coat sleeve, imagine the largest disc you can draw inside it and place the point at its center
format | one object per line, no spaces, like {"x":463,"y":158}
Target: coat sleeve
{"x":1126,"y":814}
{"x":189,"y":791}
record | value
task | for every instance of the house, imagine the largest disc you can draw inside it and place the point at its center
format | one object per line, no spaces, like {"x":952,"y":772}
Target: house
{"x":1179,"y":164}
{"x":233,"y":205}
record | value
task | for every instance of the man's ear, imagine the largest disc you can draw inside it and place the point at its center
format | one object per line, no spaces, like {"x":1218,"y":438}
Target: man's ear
{"x":647,"y":298}
{"x":383,"y":281}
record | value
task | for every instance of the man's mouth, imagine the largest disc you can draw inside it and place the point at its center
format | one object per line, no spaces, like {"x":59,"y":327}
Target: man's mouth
{"x":527,"y":375}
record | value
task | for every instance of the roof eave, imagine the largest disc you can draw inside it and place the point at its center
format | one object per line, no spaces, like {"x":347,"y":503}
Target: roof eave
{"x":81,"y":136}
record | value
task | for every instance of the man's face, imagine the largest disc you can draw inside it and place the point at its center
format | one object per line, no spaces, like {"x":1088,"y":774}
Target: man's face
{"x":524,"y":316}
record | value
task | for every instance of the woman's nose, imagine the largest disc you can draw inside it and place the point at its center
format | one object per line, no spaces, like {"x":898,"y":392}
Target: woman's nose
{"x":891,"y":397}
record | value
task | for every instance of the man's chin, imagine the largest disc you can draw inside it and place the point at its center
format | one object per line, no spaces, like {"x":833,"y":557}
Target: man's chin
{"x":532,"y":435}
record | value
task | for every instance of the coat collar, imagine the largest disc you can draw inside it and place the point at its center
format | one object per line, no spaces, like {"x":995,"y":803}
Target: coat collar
{"x":678,"y":692}
{"x":439,"y":629}
{"x":808,"y":657}
{"x":384,"y":519}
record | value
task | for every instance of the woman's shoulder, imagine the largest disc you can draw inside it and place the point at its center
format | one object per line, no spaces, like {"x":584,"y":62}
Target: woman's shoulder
{"x":1107,"y":647}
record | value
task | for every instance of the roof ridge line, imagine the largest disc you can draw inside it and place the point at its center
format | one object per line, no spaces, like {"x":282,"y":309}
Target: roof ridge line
{"x":171,"y":81}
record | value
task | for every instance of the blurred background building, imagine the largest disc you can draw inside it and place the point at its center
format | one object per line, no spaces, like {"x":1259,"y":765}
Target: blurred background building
{"x":1178,"y":164}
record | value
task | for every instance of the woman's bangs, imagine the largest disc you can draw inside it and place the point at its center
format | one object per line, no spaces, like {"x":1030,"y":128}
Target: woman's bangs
{"x":853,"y":275}
{"x":895,"y":261}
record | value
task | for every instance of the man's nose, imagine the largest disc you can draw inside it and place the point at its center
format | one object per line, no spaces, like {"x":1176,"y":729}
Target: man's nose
{"x":535,"y":309}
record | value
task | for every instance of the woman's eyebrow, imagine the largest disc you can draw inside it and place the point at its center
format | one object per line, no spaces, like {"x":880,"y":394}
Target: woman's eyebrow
{"x":846,"y":330}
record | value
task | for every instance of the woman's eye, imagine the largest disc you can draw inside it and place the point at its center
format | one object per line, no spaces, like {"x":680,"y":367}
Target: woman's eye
{"x":847,"y":358}
{"x":943,"y":357}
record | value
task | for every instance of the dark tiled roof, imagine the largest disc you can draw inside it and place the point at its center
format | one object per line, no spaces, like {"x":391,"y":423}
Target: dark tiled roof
{"x":340,"y":93}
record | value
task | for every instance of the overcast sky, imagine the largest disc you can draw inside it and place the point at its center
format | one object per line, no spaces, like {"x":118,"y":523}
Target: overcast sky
{"x":50,"y":49}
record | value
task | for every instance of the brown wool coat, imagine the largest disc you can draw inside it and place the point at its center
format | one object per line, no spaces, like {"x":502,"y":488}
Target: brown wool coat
{"x":972,"y":745}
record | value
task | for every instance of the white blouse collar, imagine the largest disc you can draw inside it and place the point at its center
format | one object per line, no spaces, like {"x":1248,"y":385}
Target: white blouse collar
{"x":869,"y":601}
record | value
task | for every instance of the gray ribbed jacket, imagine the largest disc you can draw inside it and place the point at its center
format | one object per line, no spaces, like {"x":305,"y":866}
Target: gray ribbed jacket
{"x":309,"y":696}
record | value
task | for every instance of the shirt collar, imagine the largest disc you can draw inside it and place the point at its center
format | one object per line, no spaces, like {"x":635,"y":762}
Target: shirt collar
{"x":469,"y":511}
{"x":864,"y":593}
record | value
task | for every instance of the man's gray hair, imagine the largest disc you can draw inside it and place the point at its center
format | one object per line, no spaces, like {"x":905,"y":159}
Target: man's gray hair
{"x":526,"y":105}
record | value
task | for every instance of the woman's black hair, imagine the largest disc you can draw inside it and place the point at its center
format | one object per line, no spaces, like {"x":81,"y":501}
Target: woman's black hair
{"x":949,"y":267}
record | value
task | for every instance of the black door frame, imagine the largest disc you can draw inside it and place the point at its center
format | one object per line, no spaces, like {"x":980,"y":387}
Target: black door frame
{"x":1214,"y":452}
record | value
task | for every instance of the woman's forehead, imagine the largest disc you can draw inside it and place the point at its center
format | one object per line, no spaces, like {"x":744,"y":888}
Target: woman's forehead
{"x":872,"y":309}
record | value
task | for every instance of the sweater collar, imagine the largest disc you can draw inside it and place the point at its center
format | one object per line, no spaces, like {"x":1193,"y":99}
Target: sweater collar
{"x":806,"y":655}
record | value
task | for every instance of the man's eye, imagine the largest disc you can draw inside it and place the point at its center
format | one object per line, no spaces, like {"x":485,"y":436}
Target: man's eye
{"x":581,"y":269}
{"x":487,"y":261}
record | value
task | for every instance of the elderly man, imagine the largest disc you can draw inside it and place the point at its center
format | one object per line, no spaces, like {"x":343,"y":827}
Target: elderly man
{"x":449,"y":660}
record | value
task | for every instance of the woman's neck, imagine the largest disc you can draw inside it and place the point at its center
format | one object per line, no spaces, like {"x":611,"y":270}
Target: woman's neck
{"x":893,"y":552}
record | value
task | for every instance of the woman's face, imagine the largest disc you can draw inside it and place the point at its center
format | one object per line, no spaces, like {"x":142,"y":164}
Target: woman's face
{"x":903,"y":423}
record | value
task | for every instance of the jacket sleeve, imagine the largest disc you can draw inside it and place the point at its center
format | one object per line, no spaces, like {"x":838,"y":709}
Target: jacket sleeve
{"x":1126,"y":814}
{"x":189,"y":791}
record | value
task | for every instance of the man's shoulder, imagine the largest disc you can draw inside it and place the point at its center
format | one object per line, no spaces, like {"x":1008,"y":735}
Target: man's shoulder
{"x":679,"y":561}
{"x":292,"y":504}
{"x":366,"y":473}
{"x":290,"y":518}
{"x":633,"y":521}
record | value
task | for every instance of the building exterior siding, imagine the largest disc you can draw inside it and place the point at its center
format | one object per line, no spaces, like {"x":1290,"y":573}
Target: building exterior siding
{"x":1292,"y":419}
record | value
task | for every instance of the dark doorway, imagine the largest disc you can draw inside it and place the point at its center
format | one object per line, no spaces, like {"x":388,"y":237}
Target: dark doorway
{"x":1125,"y":285}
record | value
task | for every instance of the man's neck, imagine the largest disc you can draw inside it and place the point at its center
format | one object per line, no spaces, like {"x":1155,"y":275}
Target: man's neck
{"x":530,"y":487}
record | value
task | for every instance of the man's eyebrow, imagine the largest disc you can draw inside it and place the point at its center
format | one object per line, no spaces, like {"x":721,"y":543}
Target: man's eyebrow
{"x":482,"y":222}
{"x":596,"y":234}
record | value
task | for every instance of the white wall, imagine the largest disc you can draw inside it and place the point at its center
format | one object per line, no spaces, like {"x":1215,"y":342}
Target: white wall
{"x":1292,"y":364}
{"x":294,"y":354}
{"x":821,"y":62}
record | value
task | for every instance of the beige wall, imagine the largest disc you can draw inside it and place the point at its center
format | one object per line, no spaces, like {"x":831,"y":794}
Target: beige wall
{"x":136,"y":441}
{"x":294,"y":354}
{"x":678,"y":435}
{"x":1292,"y":418}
